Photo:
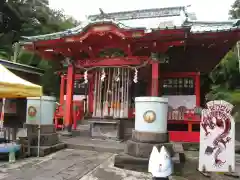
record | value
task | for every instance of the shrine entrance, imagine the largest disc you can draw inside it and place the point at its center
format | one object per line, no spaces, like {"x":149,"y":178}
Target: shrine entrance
{"x":111,"y":92}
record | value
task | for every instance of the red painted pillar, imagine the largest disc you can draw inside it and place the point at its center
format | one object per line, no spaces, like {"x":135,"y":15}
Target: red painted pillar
{"x":197,"y":89}
{"x":90,"y":94}
{"x":68,"y":115}
{"x":154,"y":87}
{"x":62,"y":93}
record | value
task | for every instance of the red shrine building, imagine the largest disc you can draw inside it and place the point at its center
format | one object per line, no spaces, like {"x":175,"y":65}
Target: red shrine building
{"x":112,"y":58}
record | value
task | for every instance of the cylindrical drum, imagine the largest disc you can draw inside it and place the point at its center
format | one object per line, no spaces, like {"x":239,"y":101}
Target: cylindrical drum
{"x":151,"y":114}
{"x":40,"y":110}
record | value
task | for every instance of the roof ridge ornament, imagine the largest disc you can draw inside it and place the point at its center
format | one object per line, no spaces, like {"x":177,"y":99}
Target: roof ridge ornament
{"x":101,"y":16}
{"x":141,"y":14}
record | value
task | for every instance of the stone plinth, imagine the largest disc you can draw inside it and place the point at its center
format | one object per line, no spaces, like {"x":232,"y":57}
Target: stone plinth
{"x":149,"y":137}
{"x":45,"y":139}
{"x":44,"y":129}
{"x":150,"y":130}
{"x":143,"y":150}
{"x":49,"y":141}
{"x":150,"y":127}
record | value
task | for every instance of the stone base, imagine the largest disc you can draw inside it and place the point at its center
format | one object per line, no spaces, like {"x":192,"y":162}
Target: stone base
{"x":44,"y":129}
{"x":141,"y":164}
{"x":149,"y":137}
{"x":45,"y":139}
{"x":49,"y":141}
{"x":106,"y":129}
{"x":143,"y":150}
{"x":48,"y":134}
{"x":45,"y":150}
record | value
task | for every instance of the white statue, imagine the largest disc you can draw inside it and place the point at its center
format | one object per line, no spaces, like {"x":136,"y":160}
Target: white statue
{"x":160,"y":164}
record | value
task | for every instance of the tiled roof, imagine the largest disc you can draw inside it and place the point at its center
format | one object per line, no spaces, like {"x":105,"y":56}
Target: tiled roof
{"x":204,"y":26}
{"x":21,"y":67}
{"x":149,"y":24}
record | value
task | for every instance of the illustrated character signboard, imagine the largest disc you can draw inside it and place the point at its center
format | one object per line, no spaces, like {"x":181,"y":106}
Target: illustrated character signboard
{"x":217,"y":138}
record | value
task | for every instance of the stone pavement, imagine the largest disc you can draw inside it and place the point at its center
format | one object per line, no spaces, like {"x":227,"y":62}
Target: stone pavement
{"x":68,"y":164}
{"x":72,"y":164}
{"x":107,"y":171}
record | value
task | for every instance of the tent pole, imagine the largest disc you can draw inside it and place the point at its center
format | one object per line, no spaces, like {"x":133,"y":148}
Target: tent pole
{"x":39,"y":128}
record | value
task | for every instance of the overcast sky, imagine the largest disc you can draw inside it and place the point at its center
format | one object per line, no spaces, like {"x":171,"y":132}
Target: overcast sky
{"x":205,"y":9}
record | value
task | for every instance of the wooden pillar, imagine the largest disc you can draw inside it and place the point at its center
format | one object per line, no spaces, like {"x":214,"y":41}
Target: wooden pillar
{"x":154,"y":87}
{"x":62,"y":90}
{"x":90,"y":94}
{"x":68,"y":115}
{"x":197,"y":94}
{"x":197,"y":89}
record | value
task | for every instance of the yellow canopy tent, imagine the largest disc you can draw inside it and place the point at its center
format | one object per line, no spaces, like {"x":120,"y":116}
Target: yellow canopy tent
{"x":12,"y":86}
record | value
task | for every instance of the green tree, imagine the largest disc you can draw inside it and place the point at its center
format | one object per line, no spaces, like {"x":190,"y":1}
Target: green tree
{"x":38,"y":19}
{"x":225,"y":77}
{"x":235,"y":10}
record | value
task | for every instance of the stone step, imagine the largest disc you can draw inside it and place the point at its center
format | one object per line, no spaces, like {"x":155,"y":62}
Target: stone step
{"x":87,"y":143}
{"x":85,"y":122}
{"x":82,"y":130}
{"x":91,"y":120}
{"x":45,"y":150}
{"x":83,"y":127}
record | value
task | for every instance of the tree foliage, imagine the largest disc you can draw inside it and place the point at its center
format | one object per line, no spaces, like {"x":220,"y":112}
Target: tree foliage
{"x":235,"y":10}
{"x":37,"y":18}
{"x":225,"y":77}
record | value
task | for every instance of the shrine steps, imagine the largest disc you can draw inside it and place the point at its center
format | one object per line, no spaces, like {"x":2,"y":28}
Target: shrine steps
{"x":90,"y":144}
{"x":82,"y":130}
